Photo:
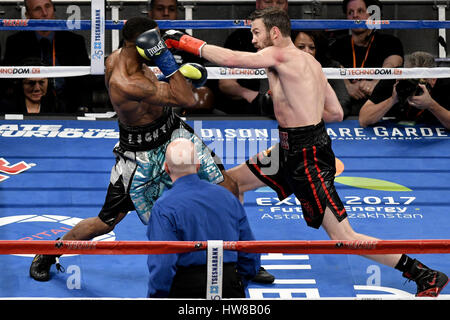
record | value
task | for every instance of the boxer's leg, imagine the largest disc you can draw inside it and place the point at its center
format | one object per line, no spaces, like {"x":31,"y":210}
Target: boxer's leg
{"x":84,"y":230}
{"x":90,"y":228}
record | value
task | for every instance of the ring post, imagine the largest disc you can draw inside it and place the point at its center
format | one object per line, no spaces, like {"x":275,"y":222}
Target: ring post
{"x":98,"y":37}
{"x":215,"y":270}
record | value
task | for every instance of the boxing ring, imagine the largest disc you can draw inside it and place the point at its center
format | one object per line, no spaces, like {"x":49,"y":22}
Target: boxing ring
{"x":394,"y":181}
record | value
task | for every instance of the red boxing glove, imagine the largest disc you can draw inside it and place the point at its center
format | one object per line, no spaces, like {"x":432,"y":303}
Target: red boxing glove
{"x":179,"y":40}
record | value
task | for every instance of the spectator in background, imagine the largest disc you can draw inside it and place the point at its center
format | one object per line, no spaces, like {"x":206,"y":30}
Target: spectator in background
{"x":368,"y":48}
{"x":54,"y":48}
{"x":316,"y":43}
{"x":185,"y":213}
{"x":245,"y":96}
{"x":412,"y":100}
{"x":31,"y":95}
{"x":163,"y":9}
{"x":168,"y":10}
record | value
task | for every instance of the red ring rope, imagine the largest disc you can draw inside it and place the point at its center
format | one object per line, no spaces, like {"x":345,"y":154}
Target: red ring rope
{"x":163,"y":247}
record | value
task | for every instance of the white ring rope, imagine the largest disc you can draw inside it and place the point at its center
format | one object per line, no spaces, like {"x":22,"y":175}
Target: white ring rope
{"x":215,"y":73}
{"x":44,"y":72}
{"x":97,"y":66}
{"x":335,"y":73}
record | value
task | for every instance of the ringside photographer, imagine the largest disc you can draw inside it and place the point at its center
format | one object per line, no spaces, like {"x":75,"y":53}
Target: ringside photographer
{"x":410,"y":100}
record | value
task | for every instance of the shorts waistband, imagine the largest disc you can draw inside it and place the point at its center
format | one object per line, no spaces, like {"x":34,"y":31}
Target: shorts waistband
{"x":147,"y":137}
{"x":299,"y":137}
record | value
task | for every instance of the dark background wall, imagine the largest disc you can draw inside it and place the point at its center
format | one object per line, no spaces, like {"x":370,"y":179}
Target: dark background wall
{"x":412,"y":40}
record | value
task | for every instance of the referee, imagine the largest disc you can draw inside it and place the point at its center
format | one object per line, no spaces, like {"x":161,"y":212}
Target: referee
{"x":196,"y":210}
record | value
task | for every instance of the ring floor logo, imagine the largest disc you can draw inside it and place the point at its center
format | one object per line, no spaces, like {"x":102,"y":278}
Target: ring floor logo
{"x":13,"y":169}
{"x":390,"y":206}
{"x":387,"y":133}
{"x":41,"y":227}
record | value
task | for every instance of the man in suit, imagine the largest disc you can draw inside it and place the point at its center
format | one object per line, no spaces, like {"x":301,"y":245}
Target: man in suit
{"x":54,"y":48}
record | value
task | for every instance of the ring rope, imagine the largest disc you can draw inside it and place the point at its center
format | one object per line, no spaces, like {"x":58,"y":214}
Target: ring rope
{"x":334,"y":73}
{"x":296,"y":24}
{"x":215,"y":73}
{"x":165,"y":247}
{"x":44,"y":72}
{"x":98,"y":24}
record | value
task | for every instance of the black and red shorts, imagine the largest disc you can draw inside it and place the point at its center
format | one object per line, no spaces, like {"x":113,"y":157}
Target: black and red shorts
{"x":266,"y":166}
{"x":306,"y":167}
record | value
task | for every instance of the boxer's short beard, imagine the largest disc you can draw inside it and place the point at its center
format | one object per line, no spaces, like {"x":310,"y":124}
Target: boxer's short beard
{"x":267,"y":42}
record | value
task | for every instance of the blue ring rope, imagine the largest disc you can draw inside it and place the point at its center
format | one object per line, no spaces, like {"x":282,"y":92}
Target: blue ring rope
{"x":21,"y":24}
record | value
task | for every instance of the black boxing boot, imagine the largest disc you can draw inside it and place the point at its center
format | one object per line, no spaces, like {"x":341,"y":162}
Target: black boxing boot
{"x":429,"y":282}
{"x":40,"y":267}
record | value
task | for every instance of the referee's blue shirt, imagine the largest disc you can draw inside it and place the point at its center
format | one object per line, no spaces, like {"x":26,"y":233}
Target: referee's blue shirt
{"x":196,"y":210}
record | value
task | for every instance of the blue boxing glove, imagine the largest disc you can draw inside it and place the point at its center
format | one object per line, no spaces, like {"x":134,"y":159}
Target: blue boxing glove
{"x":194,"y":72}
{"x":151,"y":47}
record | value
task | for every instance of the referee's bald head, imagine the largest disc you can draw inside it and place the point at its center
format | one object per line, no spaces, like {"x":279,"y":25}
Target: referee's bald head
{"x":181,"y":158}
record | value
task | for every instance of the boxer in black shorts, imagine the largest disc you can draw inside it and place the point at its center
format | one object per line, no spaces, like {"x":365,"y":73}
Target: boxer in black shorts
{"x":306,"y":168}
{"x":301,"y":98}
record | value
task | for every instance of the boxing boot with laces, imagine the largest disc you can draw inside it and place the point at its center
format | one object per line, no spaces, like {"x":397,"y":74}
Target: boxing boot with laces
{"x":429,"y":282}
{"x":40,"y":267}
